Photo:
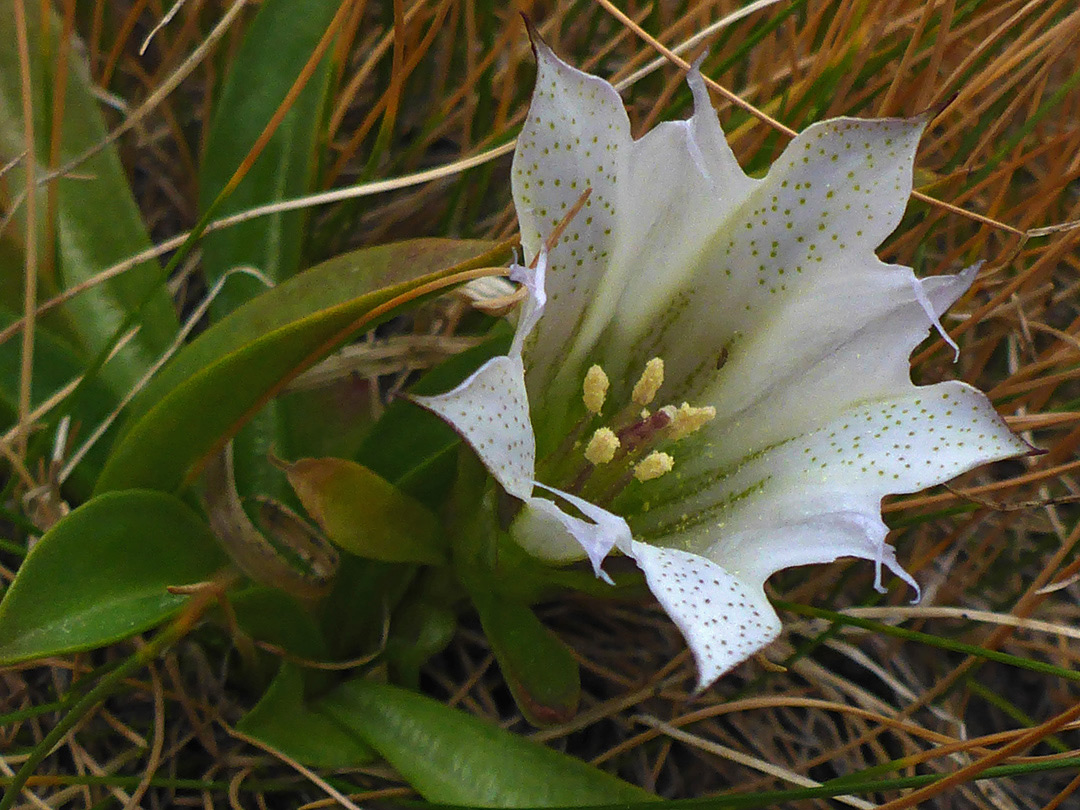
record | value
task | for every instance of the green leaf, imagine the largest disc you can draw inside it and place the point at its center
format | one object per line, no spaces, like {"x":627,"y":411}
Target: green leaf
{"x":56,"y":364}
{"x":97,"y":221}
{"x":270,"y":615}
{"x":541,"y":672}
{"x":276,"y":46}
{"x":101,"y":574}
{"x":216,"y":383}
{"x":456,"y":758}
{"x":283,"y":720}
{"x":353,"y":615}
{"x":364,"y":513}
{"x":422,"y":626}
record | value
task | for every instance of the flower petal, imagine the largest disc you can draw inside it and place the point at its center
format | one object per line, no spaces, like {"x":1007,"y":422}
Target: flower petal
{"x":758,"y":553}
{"x":681,"y":184}
{"x":575,"y":137}
{"x":491,"y":412}
{"x":724,"y":619}
{"x":801,"y":237}
{"x":546,"y":531}
{"x":534,"y":281}
{"x":844,"y":341}
{"x":816,"y":497}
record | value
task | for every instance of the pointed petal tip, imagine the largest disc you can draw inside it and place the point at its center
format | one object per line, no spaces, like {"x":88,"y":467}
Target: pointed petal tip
{"x":1032,"y":451}
{"x":970,"y":273}
{"x":530,"y":28}
{"x":541,"y":50}
{"x":935,"y":110}
{"x":723,"y":619}
{"x":490,"y":411}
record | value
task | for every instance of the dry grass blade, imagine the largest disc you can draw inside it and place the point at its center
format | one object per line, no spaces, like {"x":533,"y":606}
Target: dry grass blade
{"x":743,"y":759}
{"x":31,"y":261}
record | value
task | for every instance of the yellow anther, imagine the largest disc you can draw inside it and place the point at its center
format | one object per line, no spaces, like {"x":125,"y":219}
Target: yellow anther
{"x":651,"y":380}
{"x":688,"y":419}
{"x":596,"y":388}
{"x":602,"y":446}
{"x":653,"y":466}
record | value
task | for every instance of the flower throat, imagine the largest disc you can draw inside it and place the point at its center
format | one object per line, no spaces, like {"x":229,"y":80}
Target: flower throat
{"x":622,"y":448}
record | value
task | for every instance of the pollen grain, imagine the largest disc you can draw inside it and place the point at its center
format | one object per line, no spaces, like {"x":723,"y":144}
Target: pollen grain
{"x":595,"y":389}
{"x":653,"y":466}
{"x":651,"y":380}
{"x":602,"y":446}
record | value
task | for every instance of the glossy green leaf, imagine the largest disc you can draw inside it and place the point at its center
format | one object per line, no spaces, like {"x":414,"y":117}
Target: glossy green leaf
{"x":283,"y":720}
{"x":210,"y":388}
{"x":453,"y":757}
{"x":101,"y":574}
{"x":97,"y":221}
{"x":541,"y":672}
{"x":364,"y":513}
{"x":422,"y":626}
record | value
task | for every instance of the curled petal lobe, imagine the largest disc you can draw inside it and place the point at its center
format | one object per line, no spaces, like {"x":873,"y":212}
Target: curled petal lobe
{"x":534,"y":281}
{"x":595,"y":536}
{"x":709,"y":148}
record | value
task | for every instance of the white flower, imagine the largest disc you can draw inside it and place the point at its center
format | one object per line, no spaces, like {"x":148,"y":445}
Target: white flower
{"x":683,"y":280}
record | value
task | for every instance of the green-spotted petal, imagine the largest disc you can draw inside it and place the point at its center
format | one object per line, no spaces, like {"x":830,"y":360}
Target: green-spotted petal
{"x":724,"y":619}
{"x":817,"y":497}
{"x":576,"y":137}
{"x":491,"y":412}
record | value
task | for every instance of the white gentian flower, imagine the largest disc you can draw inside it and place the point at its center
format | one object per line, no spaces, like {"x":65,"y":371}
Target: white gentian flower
{"x":754,"y":320}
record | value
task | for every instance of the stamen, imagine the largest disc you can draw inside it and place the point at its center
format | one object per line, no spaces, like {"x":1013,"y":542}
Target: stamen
{"x":653,"y":466}
{"x":688,"y":419}
{"x":602,"y":446}
{"x":651,"y":380}
{"x":596,"y":388}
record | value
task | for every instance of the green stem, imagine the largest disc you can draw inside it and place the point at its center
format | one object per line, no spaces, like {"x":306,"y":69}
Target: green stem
{"x":927,"y":638}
